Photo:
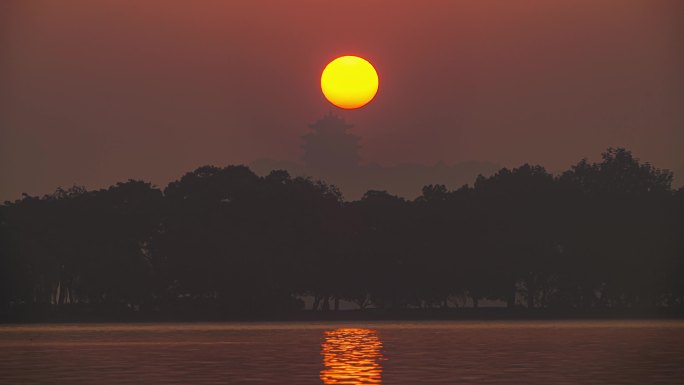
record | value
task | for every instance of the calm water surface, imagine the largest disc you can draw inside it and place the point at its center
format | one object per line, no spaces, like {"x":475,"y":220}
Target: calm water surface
{"x":510,"y":352}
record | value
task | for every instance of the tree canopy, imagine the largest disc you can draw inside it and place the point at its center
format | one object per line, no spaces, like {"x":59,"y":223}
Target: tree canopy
{"x":600,"y":235}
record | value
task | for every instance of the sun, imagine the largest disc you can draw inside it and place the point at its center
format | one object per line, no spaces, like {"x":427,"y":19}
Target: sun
{"x":349,"y":82}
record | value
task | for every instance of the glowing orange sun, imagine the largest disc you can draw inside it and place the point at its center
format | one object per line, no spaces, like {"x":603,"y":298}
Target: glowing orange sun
{"x":349,"y":82}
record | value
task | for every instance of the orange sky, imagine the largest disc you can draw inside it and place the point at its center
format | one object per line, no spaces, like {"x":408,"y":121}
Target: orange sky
{"x":94,"y":92}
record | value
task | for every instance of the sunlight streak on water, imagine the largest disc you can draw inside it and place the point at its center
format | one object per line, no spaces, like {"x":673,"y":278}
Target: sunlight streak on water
{"x":352,"y":356}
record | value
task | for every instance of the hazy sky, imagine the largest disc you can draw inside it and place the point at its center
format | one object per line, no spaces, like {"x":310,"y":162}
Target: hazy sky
{"x":94,"y":92}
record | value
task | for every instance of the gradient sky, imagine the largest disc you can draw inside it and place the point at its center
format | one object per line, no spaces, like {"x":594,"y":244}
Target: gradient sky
{"x":94,"y":92}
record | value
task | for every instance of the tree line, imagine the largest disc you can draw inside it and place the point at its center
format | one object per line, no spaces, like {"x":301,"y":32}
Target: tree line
{"x":607,"y":234}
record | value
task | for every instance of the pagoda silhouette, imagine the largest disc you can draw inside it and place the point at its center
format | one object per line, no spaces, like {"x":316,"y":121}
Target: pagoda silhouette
{"x":330,"y":149}
{"x":332,"y":154}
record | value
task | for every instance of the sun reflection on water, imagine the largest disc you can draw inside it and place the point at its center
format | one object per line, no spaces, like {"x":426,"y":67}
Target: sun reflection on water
{"x":352,"y":356}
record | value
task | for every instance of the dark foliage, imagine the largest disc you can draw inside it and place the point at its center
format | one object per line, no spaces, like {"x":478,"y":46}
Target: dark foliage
{"x":600,"y":235}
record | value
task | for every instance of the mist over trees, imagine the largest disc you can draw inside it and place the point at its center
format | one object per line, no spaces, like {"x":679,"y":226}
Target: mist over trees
{"x":604,"y":235}
{"x":331,"y":152}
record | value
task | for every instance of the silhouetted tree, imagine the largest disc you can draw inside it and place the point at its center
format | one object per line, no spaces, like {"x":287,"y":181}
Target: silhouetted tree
{"x":608,"y":234}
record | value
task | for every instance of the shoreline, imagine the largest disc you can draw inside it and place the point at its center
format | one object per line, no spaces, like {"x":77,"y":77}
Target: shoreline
{"x":452,"y":314}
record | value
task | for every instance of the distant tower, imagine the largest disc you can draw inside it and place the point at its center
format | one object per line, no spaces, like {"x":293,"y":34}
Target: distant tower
{"x":330,"y":149}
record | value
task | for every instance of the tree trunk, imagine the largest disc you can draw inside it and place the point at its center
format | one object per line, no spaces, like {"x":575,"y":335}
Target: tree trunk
{"x":510,"y":301}
{"x":531,"y":291}
{"x":326,"y":303}
{"x":587,"y":296}
{"x":476,"y":302}
{"x":337,"y":303}
{"x":317,"y":301}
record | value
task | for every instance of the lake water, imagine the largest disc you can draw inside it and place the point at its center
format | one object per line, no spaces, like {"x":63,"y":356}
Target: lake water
{"x":508,"y":352}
